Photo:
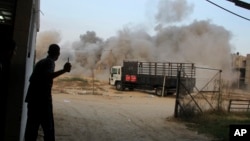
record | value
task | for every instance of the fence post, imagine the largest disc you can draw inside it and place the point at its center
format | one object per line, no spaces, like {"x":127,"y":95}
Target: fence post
{"x":177,"y":94}
{"x":229,"y":106}
{"x":163,"y":87}
{"x":248,"y":105}
{"x":219,"y":100}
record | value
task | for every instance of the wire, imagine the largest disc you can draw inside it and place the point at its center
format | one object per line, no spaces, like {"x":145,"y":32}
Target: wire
{"x":228,"y":10}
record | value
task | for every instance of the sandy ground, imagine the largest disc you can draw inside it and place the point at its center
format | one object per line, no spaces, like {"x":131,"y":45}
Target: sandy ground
{"x":110,"y":115}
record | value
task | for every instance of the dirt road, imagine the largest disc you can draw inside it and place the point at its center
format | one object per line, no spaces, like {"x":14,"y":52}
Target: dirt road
{"x":123,"y":116}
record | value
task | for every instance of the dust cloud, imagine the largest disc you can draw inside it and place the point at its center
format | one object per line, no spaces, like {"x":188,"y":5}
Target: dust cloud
{"x":44,"y":39}
{"x":172,"y":11}
{"x":201,"y":42}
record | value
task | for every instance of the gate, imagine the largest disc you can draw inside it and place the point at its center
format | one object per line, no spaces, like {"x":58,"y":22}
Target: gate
{"x":206,"y":93}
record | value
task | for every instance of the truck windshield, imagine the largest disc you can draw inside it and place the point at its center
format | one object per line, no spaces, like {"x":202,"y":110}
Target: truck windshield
{"x":114,"y":71}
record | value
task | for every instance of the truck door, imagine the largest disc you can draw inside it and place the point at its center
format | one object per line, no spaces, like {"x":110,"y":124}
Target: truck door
{"x":115,"y":75}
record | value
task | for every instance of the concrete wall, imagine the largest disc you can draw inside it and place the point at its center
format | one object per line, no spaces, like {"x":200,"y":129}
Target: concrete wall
{"x":25,"y":30}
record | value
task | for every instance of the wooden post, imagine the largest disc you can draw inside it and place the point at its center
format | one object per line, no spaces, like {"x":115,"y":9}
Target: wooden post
{"x":229,"y":106}
{"x":163,"y":88}
{"x":177,"y":94}
{"x":248,"y":105}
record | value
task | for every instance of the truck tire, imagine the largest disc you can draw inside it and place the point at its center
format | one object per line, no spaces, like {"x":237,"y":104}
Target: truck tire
{"x":158,"y":91}
{"x":119,"y":86}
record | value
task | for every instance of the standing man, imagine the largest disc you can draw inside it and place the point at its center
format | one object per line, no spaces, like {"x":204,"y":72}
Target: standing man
{"x":39,"y":99}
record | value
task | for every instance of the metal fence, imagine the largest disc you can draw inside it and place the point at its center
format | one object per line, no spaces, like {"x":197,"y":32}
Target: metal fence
{"x":205,"y":96}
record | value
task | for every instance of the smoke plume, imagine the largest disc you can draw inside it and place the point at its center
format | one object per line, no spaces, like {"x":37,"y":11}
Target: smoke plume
{"x":172,"y":11}
{"x":44,"y":39}
{"x":200,"y":42}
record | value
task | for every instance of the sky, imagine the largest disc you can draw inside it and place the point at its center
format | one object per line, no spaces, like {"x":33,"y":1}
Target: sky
{"x":72,"y":18}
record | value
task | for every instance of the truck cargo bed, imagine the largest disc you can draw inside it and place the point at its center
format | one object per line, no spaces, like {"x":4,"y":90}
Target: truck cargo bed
{"x":151,"y":75}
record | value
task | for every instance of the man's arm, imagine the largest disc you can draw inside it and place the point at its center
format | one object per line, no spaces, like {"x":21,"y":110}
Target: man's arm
{"x":58,"y":73}
{"x":66,"y":68}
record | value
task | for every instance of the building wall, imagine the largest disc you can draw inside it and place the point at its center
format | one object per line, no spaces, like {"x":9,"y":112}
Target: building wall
{"x":239,"y":66}
{"x":247,"y":75}
{"x":238,"y":61}
{"x":25,"y":30}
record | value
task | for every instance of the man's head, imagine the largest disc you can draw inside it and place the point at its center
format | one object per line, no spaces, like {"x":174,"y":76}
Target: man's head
{"x":54,"y":51}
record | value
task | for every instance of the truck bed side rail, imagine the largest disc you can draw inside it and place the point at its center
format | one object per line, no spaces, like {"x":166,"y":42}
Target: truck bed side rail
{"x":168,"y":69}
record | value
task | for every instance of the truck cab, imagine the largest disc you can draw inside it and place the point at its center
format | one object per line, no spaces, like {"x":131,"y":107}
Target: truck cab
{"x":115,"y":75}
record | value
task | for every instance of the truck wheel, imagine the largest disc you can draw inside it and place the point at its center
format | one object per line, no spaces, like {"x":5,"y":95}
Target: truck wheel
{"x":158,"y":91}
{"x":119,"y":86}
